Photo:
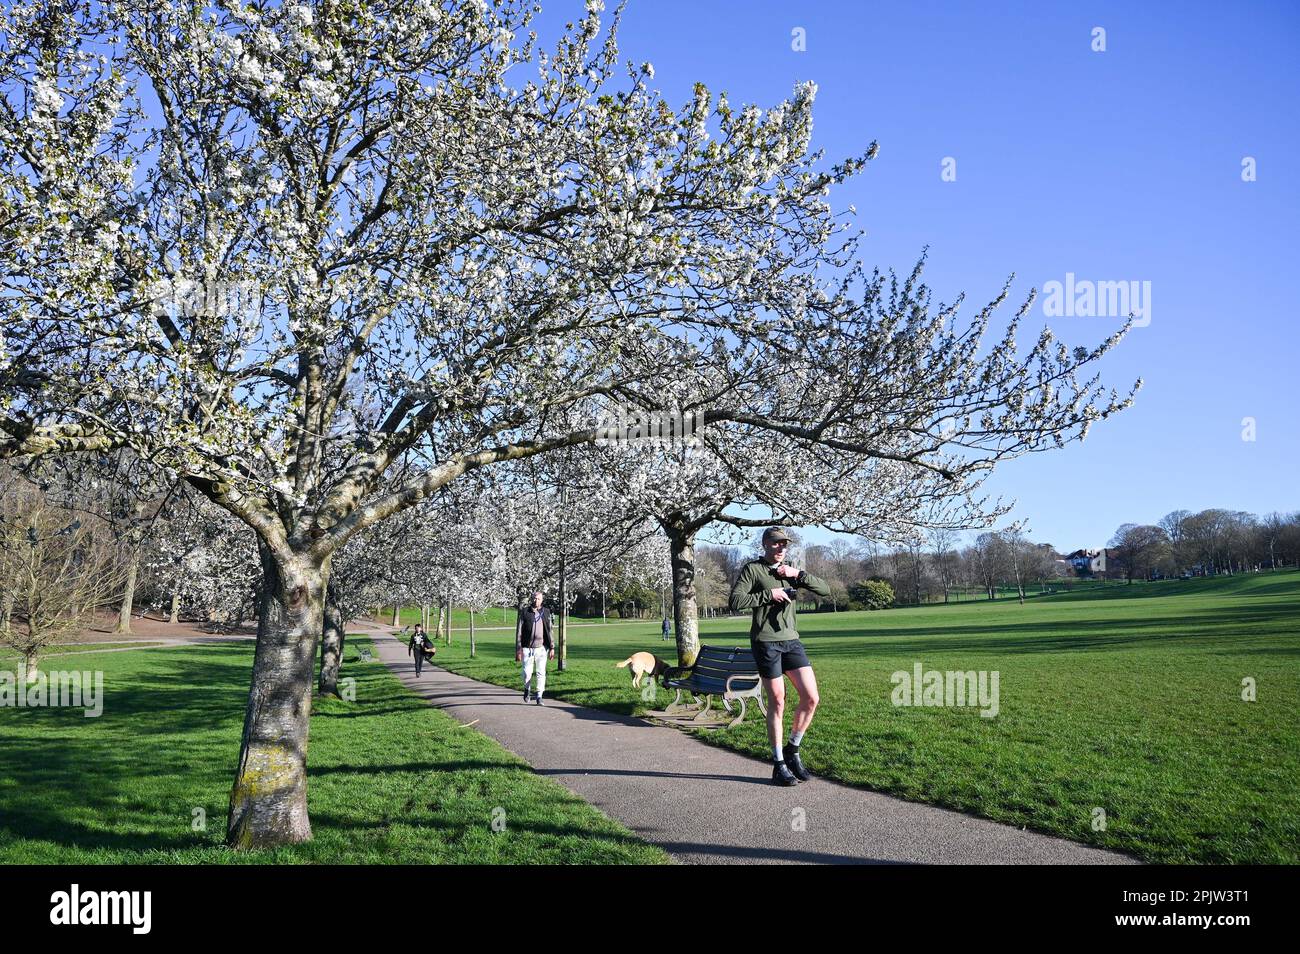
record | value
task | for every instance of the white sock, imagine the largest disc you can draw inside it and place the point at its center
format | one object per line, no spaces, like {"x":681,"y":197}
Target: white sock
{"x":776,"y":753}
{"x":796,"y":738}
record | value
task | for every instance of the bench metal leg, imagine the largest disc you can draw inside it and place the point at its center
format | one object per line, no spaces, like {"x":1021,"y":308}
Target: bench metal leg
{"x":740,"y":718}
{"x":677,"y":705}
{"x":699,"y":716}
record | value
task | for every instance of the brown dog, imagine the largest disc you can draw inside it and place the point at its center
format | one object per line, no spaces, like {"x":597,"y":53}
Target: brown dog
{"x":643,"y":664}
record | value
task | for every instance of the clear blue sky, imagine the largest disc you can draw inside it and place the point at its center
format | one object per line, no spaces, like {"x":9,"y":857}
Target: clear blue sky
{"x":1119,"y":165}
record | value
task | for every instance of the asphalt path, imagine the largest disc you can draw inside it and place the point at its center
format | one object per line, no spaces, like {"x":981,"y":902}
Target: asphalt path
{"x":704,"y":804}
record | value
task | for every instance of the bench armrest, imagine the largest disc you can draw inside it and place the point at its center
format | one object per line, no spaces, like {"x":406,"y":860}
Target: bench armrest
{"x":746,"y":677}
{"x":674,"y":672}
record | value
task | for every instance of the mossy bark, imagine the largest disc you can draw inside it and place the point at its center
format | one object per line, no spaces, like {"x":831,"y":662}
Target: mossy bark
{"x":268,"y":802}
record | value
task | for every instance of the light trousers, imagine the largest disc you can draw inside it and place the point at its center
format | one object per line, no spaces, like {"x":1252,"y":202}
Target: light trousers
{"x":535,"y":658}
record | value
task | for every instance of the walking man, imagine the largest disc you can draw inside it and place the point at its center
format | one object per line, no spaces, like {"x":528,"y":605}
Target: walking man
{"x":668,"y":629}
{"x":533,"y":645}
{"x":419,"y":639}
{"x":767,"y":587}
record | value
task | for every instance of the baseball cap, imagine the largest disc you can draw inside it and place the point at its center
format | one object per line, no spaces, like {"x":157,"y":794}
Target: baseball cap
{"x":775,"y":533}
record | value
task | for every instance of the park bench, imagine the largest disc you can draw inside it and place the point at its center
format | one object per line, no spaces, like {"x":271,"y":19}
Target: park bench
{"x":730,"y":674}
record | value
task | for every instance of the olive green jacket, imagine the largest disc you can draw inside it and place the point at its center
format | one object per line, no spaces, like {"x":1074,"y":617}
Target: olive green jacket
{"x":772,"y":621}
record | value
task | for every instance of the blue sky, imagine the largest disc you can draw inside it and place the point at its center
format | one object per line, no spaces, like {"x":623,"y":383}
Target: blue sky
{"x":1122,"y":165}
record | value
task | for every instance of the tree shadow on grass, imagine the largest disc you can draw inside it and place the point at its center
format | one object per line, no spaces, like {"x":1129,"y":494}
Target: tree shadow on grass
{"x":25,"y":825}
{"x":166,"y":742}
{"x":452,"y":832}
{"x":1065,"y":635}
{"x":1244,"y":585}
{"x":58,"y":778}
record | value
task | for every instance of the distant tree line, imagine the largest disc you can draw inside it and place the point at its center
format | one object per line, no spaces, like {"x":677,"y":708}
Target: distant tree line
{"x":1208,"y":543}
{"x":1007,"y":563}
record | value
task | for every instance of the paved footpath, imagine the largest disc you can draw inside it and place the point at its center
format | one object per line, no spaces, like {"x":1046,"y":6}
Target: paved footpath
{"x":703,"y":804}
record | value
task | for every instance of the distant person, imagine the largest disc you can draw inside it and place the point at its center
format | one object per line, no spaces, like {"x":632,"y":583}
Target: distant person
{"x":418,"y":645}
{"x":668,"y":629}
{"x":766,"y":586}
{"x":533,"y":645}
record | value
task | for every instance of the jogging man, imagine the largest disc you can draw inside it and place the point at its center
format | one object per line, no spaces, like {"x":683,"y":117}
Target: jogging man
{"x":533,"y":644}
{"x":762,"y":587}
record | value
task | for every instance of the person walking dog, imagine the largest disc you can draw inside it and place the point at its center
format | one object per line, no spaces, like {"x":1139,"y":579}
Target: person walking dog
{"x":419,"y":646}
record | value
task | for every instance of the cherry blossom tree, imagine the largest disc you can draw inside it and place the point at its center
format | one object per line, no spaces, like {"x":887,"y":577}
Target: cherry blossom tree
{"x":940,"y":413}
{"x":569,"y":524}
{"x":203,"y":557}
{"x":320,"y":260}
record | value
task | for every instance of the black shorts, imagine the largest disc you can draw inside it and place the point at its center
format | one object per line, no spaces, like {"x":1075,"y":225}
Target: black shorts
{"x":775,"y":658}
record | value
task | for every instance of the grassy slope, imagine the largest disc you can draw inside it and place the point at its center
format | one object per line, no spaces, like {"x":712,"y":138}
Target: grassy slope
{"x":1124,"y":698}
{"x":391,"y":779}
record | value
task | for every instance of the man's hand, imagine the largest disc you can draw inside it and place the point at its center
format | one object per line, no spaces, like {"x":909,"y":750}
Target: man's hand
{"x":519,"y":655}
{"x":779,"y":595}
{"x":789,"y":572}
{"x":551,"y":654}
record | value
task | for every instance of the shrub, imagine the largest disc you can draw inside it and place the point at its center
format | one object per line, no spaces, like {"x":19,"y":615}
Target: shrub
{"x":871,"y":594}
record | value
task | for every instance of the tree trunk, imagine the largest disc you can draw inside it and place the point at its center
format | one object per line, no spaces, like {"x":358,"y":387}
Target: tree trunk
{"x":268,"y":802}
{"x":175,"y":616}
{"x":331,"y":646}
{"x":128,"y":597}
{"x":562,"y":649}
{"x":397,"y":616}
{"x":473,"y":648}
{"x":447,"y":603}
{"x":31,"y":664}
{"x":685,"y":610}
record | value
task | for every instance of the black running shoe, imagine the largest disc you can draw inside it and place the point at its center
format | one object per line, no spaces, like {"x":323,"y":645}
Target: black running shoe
{"x":781,"y":775}
{"x":796,"y":764}
{"x":538,"y":700}
{"x":528,"y":694}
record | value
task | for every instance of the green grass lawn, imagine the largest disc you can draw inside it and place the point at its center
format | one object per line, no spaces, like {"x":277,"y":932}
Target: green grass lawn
{"x":1121,"y":698}
{"x":391,"y":779}
{"x":8,"y":655}
{"x":495,"y":616}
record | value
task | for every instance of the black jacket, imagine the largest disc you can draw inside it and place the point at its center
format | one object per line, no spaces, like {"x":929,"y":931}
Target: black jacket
{"x":525,"y":624}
